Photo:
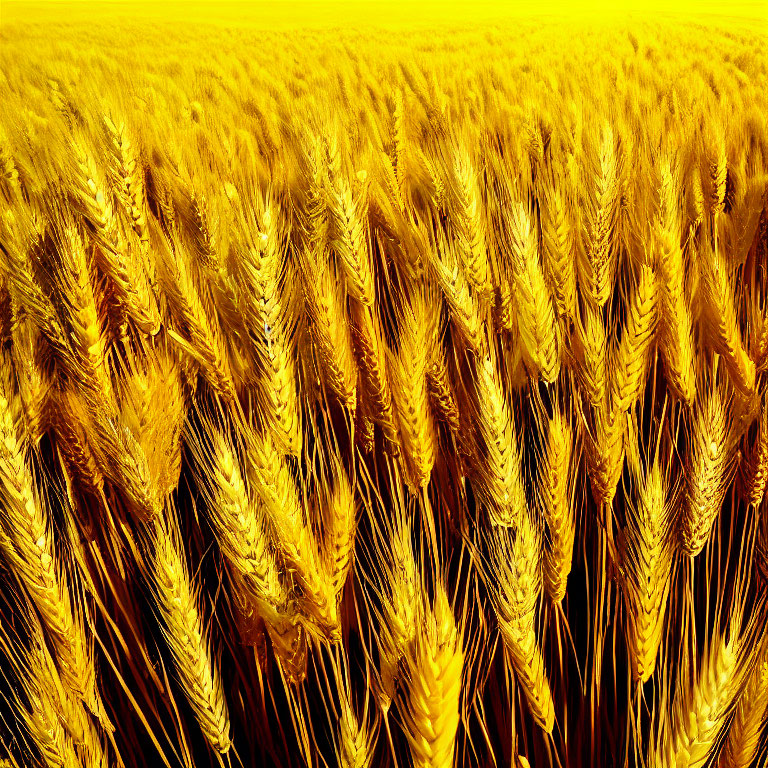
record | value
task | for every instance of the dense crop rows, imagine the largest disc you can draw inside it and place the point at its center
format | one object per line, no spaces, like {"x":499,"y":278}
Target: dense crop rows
{"x":374,"y":398}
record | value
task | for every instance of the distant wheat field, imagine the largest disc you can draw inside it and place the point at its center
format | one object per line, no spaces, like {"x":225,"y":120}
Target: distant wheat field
{"x":382,"y":388}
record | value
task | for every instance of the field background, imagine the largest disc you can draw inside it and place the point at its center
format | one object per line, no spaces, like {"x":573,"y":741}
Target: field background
{"x":296,"y":302}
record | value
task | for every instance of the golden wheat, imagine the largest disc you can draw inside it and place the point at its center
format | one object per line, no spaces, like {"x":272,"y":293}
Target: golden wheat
{"x":379,"y":389}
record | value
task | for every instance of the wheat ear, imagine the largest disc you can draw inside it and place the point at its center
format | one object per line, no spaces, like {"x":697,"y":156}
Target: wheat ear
{"x":271,"y":479}
{"x":515,"y":583}
{"x":237,"y":517}
{"x":434,"y":661}
{"x":79,"y":314}
{"x":559,"y":248}
{"x":354,"y":741}
{"x":56,"y":724}
{"x":115,"y":253}
{"x":598,"y":265}
{"x":707,"y":470}
{"x":758,"y":467}
{"x":593,"y":360}
{"x":176,"y":601}
{"x":606,"y":451}
{"x":722,"y":321}
{"x":339,"y":515}
{"x":200,"y":337}
{"x":500,"y":473}
{"x":127,"y":174}
{"x":26,"y":536}
{"x":350,"y":239}
{"x":677,"y":344}
{"x":647,"y":561}
{"x":741,"y":744}
{"x":536,"y":318}
{"x":73,"y":441}
{"x":439,"y":384}
{"x":326,"y":305}
{"x":556,"y":482}
{"x":467,"y":214}
{"x":630,"y":363}
{"x":400,"y":604}
{"x":700,"y":709}
{"x":34,"y":382}
{"x":371,"y":355}
{"x":265,"y":304}
{"x":409,"y":386}
{"x":465,"y":311}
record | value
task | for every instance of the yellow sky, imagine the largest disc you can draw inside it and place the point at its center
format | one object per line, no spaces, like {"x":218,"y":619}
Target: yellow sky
{"x":355,"y":12}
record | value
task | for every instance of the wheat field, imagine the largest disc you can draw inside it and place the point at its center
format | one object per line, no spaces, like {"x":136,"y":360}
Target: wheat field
{"x":382,"y":393}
